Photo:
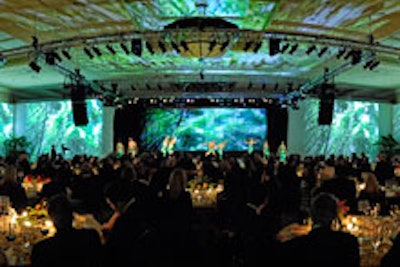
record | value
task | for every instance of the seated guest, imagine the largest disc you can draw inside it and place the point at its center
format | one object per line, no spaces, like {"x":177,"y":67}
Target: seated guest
{"x":322,"y":246}
{"x":130,"y":241}
{"x":392,"y":257}
{"x":69,"y":246}
{"x":372,"y":192}
{"x":12,"y":188}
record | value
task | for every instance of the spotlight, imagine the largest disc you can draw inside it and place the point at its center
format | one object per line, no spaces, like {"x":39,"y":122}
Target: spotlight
{"x":348,"y":54}
{"x":49,"y":58}
{"x":57,"y":56}
{"x":213,"y":43}
{"x":162,"y":46}
{"x":185,"y":45}
{"x":149,"y":48}
{"x":341,"y":52}
{"x":34,"y":66}
{"x":111,"y":49}
{"x":257,"y":46}
{"x":136,"y":47}
{"x":125,"y":48}
{"x":368,"y":64}
{"x":322,"y":51}
{"x":311,"y":49}
{"x":97,"y":51}
{"x":247,"y":45}
{"x":374,"y":65}
{"x":175,"y":46}
{"x":293,"y":49}
{"x":274,"y":46}
{"x":224,"y":45}
{"x":88,"y":53}
{"x":284,"y":48}
{"x":66,"y":54}
{"x":356,"y":57}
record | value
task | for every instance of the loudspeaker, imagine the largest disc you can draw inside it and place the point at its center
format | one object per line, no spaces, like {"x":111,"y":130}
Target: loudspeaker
{"x":325,"y":113}
{"x":79,"y":113}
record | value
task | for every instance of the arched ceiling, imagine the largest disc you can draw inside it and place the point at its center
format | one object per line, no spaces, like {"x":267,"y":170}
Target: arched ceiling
{"x":366,"y":29}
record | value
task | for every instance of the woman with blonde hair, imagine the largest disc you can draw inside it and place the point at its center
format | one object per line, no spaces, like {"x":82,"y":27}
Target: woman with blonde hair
{"x":372,"y":193}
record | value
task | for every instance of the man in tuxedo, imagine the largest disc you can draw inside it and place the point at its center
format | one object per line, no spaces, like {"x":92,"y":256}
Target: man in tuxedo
{"x":322,"y":246}
{"x":69,"y":246}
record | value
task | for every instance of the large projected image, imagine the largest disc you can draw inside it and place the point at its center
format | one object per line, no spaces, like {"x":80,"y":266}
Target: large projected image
{"x":51,"y":123}
{"x":194,"y":127}
{"x":354,"y":129}
{"x":6,"y":125}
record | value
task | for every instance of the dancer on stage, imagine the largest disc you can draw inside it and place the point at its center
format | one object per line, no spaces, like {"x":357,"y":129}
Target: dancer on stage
{"x":266,"y":151}
{"x":171,"y":145}
{"x":133,"y":148}
{"x":220,"y":149}
{"x":282,"y":150}
{"x":119,"y":149}
{"x":211,"y":148}
{"x":251,"y":142}
{"x":164,"y":146}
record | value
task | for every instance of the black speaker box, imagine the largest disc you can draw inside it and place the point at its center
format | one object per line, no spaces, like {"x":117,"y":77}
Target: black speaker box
{"x":79,"y":113}
{"x":325,"y":113}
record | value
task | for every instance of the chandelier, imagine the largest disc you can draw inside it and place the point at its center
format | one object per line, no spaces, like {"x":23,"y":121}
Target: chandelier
{"x":200,"y":37}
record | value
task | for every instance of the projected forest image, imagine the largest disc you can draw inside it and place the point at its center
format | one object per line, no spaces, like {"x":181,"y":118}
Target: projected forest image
{"x":51,"y":123}
{"x":354,"y":129}
{"x":6,"y":124}
{"x":194,"y":127}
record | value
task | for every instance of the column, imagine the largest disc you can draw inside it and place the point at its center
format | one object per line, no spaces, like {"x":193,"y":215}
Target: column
{"x":296,"y":130}
{"x":108,"y":130}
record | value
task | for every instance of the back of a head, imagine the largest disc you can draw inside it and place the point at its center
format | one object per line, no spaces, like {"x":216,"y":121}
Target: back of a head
{"x":324,"y":209}
{"x":60,"y":211}
{"x":177,"y":181}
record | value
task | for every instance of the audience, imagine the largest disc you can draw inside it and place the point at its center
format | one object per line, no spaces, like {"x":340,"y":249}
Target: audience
{"x":322,"y":246}
{"x":69,"y":246}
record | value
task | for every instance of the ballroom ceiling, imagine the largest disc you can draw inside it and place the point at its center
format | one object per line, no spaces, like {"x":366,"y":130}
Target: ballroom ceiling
{"x":177,"y":48}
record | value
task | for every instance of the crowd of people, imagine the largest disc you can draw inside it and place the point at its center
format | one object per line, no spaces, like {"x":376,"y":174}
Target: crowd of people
{"x":148,"y":217}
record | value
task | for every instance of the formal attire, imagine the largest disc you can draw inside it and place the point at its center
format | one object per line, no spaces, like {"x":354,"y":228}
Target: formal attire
{"x":322,"y":247}
{"x":70,"y":247}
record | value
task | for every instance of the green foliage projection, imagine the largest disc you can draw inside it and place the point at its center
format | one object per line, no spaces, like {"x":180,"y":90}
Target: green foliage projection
{"x":354,"y":129}
{"x":51,"y":123}
{"x":196,"y":126}
{"x":6,"y":124}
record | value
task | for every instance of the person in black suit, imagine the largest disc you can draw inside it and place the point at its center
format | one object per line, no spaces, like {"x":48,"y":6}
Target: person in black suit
{"x":322,"y":246}
{"x":69,"y":246}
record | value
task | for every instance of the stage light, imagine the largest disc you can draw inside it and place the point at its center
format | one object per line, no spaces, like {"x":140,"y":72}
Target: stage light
{"x":224,"y":45}
{"x":274,"y":46}
{"x":149,"y":48}
{"x":341,"y":52}
{"x":34,"y":66}
{"x":356,"y":57}
{"x":162,"y":46}
{"x":136,"y":47}
{"x":66,"y":54}
{"x":185,"y":45}
{"x":213,"y":43}
{"x":97,"y":51}
{"x":111,"y":49}
{"x":247,"y":45}
{"x":88,"y":53}
{"x":257,"y":46}
{"x":311,"y":49}
{"x":284,"y":48}
{"x":175,"y":46}
{"x":322,"y":51}
{"x":49,"y":58}
{"x":124,"y":48}
{"x":374,"y":65}
{"x":293,"y":49}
